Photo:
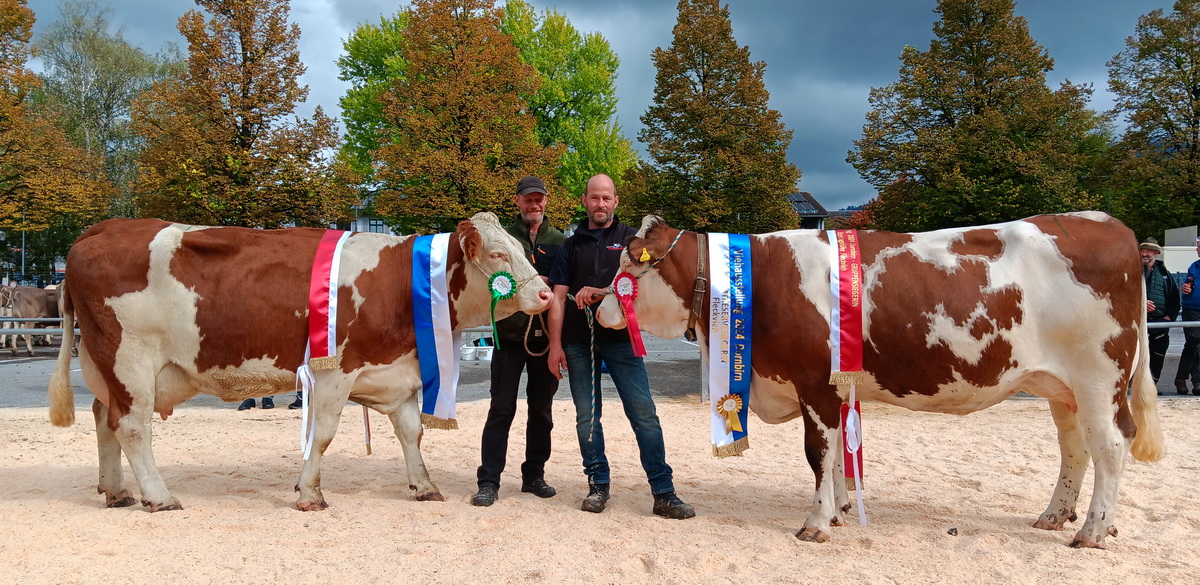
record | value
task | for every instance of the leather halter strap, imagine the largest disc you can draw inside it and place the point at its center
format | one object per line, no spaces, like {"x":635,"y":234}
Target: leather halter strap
{"x":699,"y":288}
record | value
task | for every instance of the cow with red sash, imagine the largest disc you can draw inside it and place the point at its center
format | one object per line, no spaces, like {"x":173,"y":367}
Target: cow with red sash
{"x":166,"y":311}
{"x":951,"y":321}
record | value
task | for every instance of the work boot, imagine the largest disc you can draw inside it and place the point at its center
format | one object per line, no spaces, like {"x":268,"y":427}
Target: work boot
{"x":1181,"y":387}
{"x":246,"y":404}
{"x":299,"y":403}
{"x":596,"y":499}
{"x":669,"y":505}
{"x":268,"y":403}
{"x":486,"y":495}
{"x":538,"y":487}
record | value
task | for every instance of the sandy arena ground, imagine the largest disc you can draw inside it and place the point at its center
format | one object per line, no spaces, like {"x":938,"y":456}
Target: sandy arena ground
{"x":986,"y":476}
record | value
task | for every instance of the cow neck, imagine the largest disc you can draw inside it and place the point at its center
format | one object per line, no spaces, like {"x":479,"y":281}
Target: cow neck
{"x":700,"y":286}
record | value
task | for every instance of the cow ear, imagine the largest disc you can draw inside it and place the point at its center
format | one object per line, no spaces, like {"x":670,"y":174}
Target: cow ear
{"x":638,"y":250}
{"x":470,"y":240}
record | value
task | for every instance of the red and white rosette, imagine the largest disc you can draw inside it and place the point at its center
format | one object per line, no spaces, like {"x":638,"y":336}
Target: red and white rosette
{"x":625,"y":287}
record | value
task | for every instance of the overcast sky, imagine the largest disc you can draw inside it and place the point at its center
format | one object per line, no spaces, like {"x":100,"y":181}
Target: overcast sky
{"x":822,"y":57}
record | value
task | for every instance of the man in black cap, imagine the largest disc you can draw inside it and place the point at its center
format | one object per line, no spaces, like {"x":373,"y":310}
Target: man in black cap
{"x":1162,"y":302}
{"x":523,"y":342}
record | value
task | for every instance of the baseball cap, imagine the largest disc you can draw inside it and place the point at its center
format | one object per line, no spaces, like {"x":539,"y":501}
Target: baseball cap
{"x":529,"y":185}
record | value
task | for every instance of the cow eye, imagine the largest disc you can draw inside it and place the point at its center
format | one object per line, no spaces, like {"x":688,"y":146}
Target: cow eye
{"x":500,"y":256}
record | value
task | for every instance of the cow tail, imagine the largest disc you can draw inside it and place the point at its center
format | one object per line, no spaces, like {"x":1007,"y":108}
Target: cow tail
{"x":1148,"y":439}
{"x":62,"y":397}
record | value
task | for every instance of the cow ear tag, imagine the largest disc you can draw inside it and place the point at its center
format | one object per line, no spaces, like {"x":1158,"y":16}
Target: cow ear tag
{"x":502,"y":286}
{"x":645,"y":257}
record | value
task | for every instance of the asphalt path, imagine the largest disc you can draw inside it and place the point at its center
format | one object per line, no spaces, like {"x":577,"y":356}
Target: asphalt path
{"x":673,"y":366}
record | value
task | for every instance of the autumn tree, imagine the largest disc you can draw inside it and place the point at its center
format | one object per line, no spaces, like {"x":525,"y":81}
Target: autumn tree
{"x":89,"y":81}
{"x":1156,"y":81}
{"x":220,"y":146}
{"x":576,"y":103}
{"x":718,"y":150}
{"x":971,"y":133}
{"x":45,"y":181}
{"x":462,"y":134}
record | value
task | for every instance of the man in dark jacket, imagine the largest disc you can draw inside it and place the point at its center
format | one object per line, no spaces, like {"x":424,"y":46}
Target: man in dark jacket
{"x":1162,"y":302}
{"x":522,"y":345}
{"x":585,"y":266}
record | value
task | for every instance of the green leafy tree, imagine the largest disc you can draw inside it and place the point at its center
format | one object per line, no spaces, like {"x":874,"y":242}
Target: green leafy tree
{"x":220,"y":147}
{"x":719,"y":152}
{"x":576,"y":103}
{"x":461,"y":133}
{"x":1156,"y":80}
{"x":89,"y":81}
{"x":373,"y":59}
{"x":970,"y":133}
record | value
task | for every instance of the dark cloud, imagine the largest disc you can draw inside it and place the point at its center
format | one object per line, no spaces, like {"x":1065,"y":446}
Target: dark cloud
{"x":822,"y":57}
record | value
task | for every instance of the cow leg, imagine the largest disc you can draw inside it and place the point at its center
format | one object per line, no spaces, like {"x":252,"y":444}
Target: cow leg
{"x":817,"y":441}
{"x":112,"y":479}
{"x":407,"y":422}
{"x":28,"y":343}
{"x":134,"y":433}
{"x":325,"y":407}
{"x":841,"y":497}
{"x":1108,"y":447}
{"x":1074,"y":463}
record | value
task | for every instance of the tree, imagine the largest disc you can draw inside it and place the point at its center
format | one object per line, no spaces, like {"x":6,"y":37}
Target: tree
{"x":576,"y":103}
{"x":89,"y":82}
{"x":720,"y":154}
{"x":971,"y":134}
{"x":462,"y":136}
{"x":220,"y":148}
{"x":44,"y":179}
{"x":1156,"y":81}
{"x":373,"y":60}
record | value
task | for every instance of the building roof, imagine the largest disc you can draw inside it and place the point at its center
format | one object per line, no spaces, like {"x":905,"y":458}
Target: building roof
{"x":805,"y":205}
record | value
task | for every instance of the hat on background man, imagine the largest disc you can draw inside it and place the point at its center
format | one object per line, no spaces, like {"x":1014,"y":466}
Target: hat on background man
{"x":529,"y":185}
{"x":1150,"y":244}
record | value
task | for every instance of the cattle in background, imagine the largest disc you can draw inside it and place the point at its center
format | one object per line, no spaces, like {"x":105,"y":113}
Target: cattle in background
{"x":954,"y":321}
{"x":30,"y":302}
{"x":6,"y":311}
{"x":166,"y":311}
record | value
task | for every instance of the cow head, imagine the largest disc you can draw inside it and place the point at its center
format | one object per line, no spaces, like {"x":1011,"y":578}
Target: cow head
{"x":666,"y":270}
{"x":488,"y":250}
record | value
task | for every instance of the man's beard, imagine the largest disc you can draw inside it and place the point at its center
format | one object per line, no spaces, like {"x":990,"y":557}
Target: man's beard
{"x":530,"y":220}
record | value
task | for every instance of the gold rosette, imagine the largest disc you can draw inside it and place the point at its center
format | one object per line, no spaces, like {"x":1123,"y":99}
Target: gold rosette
{"x":729,"y":407}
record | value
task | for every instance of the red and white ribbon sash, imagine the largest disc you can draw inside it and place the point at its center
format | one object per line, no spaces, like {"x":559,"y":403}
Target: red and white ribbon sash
{"x":626,"y":288}
{"x":846,"y":348}
{"x":321,"y":351}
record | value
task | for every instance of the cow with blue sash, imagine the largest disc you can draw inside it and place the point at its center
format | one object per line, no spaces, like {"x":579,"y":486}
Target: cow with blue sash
{"x":951,"y":321}
{"x":167,"y":311}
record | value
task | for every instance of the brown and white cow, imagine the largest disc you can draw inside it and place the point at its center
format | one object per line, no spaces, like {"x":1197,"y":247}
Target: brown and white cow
{"x":955,"y":321}
{"x":166,"y":311}
{"x":30,"y":302}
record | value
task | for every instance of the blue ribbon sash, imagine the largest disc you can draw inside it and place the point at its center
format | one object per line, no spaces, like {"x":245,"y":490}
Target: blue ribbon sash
{"x":729,"y":341}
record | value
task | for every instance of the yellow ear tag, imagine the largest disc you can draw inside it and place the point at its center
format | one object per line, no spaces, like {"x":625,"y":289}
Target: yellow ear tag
{"x":645,"y":257}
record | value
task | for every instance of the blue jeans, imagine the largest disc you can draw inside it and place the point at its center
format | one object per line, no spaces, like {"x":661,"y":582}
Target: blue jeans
{"x":633,"y":386}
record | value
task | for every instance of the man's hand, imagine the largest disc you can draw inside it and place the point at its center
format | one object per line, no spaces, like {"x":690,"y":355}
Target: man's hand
{"x":1186,"y":288}
{"x":557,"y":361}
{"x":589,"y":295}
{"x":1149,"y":306}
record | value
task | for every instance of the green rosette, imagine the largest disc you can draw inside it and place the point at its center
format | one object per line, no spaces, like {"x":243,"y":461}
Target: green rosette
{"x":503,"y":286}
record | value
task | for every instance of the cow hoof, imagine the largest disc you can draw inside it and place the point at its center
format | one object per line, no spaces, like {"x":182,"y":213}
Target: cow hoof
{"x":836,"y":521}
{"x":812,"y":535}
{"x":431,"y":497}
{"x":166,"y":507}
{"x":311,"y":506}
{"x":125,"y":502}
{"x":1050,"y":522}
